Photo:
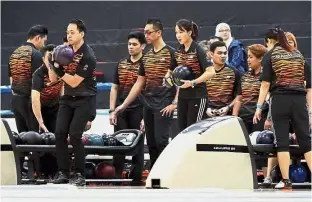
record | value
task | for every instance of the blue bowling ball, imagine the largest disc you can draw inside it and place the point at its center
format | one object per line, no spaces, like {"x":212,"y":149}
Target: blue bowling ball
{"x":96,"y":140}
{"x":265,"y":137}
{"x":297,"y":173}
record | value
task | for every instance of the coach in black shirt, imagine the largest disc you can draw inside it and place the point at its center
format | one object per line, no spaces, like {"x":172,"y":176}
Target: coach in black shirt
{"x":76,"y":104}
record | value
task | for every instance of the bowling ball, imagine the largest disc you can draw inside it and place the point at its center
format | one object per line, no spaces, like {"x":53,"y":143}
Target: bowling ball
{"x":95,"y":140}
{"x":297,"y":173}
{"x":90,"y":170}
{"x":304,"y":164}
{"x":48,"y":138}
{"x":265,"y":137}
{"x":125,"y":139}
{"x":31,"y":138}
{"x":253,"y":137}
{"x":21,"y":137}
{"x":276,"y":174}
{"x":85,"y":139}
{"x":292,"y":139}
{"x":111,"y":141}
{"x":105,"y":138}
{"x":105,"y":171}
{"x":63,"y":55}
{"x":17,"y":138}
{"x":182,"y":73}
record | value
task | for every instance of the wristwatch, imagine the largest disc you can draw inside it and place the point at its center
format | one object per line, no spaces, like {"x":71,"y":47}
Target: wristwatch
{"x":193,"y":83}
{"x":110,"y":111}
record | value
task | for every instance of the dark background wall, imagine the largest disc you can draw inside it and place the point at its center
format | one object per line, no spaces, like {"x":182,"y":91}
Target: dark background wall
{"x":108,"y":24}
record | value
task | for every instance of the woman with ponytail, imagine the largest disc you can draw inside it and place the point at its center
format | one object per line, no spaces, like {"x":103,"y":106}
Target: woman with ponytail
{"x":192,"y":103}
{"x":289,"y":81}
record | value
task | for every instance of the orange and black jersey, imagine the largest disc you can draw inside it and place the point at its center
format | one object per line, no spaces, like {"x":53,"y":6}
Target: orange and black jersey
{"x":126,"y":74}
{"x":249,"y":88}
{"x":196,"y":59}
{"x":83,"y":65}
{"x":154,"y":67}
{"x":286,"y":71}
{"x":23,"y":63}
{"x":49,"y":91}
{"x":223,"y":87}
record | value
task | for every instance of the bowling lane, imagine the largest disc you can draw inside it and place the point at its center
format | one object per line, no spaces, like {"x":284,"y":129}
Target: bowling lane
{"x":137,"y":194}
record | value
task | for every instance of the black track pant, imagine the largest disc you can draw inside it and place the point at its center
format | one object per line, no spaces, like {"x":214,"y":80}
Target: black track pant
{"x":294,"y":108}
{"x":72,"y":117}
{"x":24,"y":118}
{"x":49,"y":115}
{"x":246,"y":113}
{"x":157,"y":129}
{"x":191,"y":111}
{"x":130,"y":119}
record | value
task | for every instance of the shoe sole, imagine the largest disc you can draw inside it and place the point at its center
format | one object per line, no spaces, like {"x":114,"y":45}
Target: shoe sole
{"x":64,"y":182}
{"x":284,"y":188}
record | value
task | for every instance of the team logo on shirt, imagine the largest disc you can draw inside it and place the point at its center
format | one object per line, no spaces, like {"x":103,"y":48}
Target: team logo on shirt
{"x":161,"y":59}
{"x":228,"y":77}
{"x":77,"y":57}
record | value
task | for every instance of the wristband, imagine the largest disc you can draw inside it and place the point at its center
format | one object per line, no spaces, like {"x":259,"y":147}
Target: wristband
{"x":260,"y":107}
{"x":111,"y":110}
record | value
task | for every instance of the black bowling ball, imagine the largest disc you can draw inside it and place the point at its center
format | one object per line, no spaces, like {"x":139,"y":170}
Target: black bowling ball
{"x":182,"y":73}
{"x":48,"y":138}
{"x":31,"y":138}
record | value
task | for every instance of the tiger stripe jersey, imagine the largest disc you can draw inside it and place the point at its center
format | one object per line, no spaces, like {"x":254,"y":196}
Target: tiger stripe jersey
{"x":286,"y":71}
{"x":125,"y":76}
{"x":194,"y":58}
{"x":249,"y":88}
{"x":23,"y":63}
{"x":223,"y":87}
{"x":49,"y":91}
{"x":154,"y":67}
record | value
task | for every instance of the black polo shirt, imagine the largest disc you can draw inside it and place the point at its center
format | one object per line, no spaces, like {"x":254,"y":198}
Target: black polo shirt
{"x":126,"y":74}
{"x":223,"y":87}
{"x":196,"y":59}
{"x":49,"y":91}
{"x":154,"y":67}
{"x":286,"y":71}
{"x":83,"y":64}
{"x":23,"y":63}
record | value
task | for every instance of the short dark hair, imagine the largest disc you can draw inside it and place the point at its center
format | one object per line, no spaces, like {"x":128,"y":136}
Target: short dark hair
{"x":156,"y":24}
{"x":81,"y":26}
{"x":216,"y":44}
{"x":65,"y":38}
{"x":47,"y":48}
{"x":215,"y":37}
{"x":36,"y":30}
{"x":137,"y":35}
